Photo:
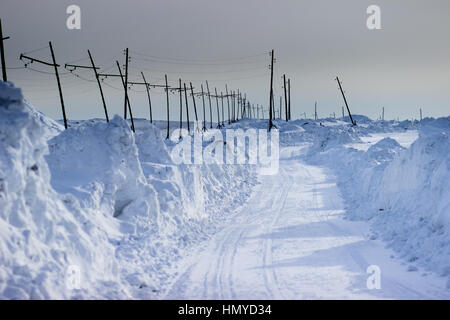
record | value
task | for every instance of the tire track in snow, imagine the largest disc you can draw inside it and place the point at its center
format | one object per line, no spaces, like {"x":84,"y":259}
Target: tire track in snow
{"x":270,"y":277}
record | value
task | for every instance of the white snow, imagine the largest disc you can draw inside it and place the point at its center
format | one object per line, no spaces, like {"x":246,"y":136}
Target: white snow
{"x":97,"y":211}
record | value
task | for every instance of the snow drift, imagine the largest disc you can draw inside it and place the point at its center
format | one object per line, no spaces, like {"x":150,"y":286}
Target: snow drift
{"x":404,"y":192}
{"x":96,"y":211}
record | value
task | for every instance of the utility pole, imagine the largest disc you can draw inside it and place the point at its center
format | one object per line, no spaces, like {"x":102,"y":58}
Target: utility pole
{"x":2,"y":49}
{"x":59,"y":84}
{"x":210,"y":107}
{"x":271,"y":91}
{"x":126,"y":84}
{"x":315,"y":110}
{"x":180,"y":89}
{"x":204,"y":113}
{"x":223,"y":114}
{"x":187,"y":109}
{"x":55,"y":65}
{"x":238,"y":97}
{"x":195,"y":107}
{"x":289,"y":97}
{"x":73,"y":67}
{"x":99,"y":85}
{"x":148,"y":95}
{"x":281,"y":98}
{"x":167,"y":99}
{"x":244,"y":104}
{"x":382,"y":117}
{"x":285,"y":97}
{"x":144,"y":83}
{"x":233,"y":106}
{"x":127,"y":100}
{"x":181,"y":108}
{"x":228,"y":104}
{"x":420,"y":114}
{"x":345,"y":100}
{"x":343,"y":113}
{"x":217,"y":103}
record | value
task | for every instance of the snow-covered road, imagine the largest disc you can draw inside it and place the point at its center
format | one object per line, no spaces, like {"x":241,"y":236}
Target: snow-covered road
{"x":290,"y":241}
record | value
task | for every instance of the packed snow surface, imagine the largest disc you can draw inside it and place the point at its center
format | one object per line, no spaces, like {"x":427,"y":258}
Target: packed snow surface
{"x":97,"y":211}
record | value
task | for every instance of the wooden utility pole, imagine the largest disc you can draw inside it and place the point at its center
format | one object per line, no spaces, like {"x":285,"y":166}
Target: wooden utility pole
{"x":382,"y":116}
{"x":343,"y":113}
{"x":55,"y":65}
{"x":420,"y":114}
{"x":147,"y":86}
{"x":99,"y":85}
{"x":2,"y":49}
{"x":279,"y":112}
{"x":204,"y":112}
{"x":127,"y":100}
{"x":180,"y":89}
{"x":168,"y":115}
{"x":345,"y":101}
{"x":73,"y":67}
{"x":126,"y":85}
{"x":271,"y":91}
{"x":234,"y":106}
{"x":244,"y":106}
{"x":181,"y":108}
{"x":315,"y":110}
{"x":187,"y":109}
{"x":285,"y":97}
{"x":195,"y":107}
{"x":223,"y":114}
{"x":210,"y":107}
{"x":238,"y":100}
{"x":289,"y":97}
{"x":228,"y":104}
{"x":218,"y":112}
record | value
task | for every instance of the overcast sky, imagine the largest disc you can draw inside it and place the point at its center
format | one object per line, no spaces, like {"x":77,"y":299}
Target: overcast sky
{"x":402,"y":67}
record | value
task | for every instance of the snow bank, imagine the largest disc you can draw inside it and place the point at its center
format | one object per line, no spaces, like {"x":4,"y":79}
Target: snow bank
{"x":96,"y":211}
{"x":404,"y":192}
{"x":40,"y":237}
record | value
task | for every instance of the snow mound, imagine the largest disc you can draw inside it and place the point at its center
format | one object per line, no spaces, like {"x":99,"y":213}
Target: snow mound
{"x":40,"y":238}
{"x":384,"y":150}
{"x":404,"y":192}
{"x":98,"y":162}
{"x":97,"y":211}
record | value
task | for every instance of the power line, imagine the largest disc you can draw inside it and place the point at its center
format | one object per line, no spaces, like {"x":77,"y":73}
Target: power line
{"x":198,"y":60}
{"x":195,"y":63}
{"x":36,"y":50}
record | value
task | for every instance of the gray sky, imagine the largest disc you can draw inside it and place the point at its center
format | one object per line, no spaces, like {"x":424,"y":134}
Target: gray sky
{"x":402,"y":67}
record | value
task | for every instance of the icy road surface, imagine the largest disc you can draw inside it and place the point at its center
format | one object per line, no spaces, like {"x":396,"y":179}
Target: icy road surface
{"x":290,"y":241}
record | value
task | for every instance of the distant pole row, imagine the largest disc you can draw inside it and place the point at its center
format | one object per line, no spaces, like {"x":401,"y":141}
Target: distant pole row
{"x":237,"y":104}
